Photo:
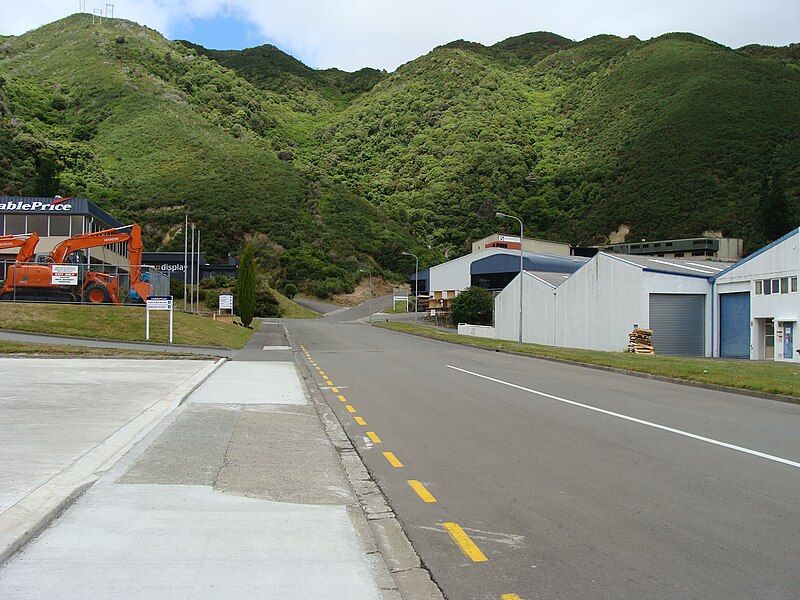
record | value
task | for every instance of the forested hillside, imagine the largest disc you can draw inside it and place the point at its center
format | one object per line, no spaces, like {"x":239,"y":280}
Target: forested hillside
{"x":327,"y":171}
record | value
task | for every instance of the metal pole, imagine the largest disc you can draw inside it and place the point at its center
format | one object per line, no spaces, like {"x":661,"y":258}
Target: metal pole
{"x":370,"y":295}
{"x":191,"y":275}
{"x":416,"y":283}
{"x":185,"y":256}
{"x":198,"y":271}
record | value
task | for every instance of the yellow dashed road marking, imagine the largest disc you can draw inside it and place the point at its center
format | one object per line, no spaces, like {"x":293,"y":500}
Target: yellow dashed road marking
{"x":510,"y":597}
{"x":464,"y":542}
{"x":328,"y":382}
{"x":335,"y":390}
{"x":374,"y":437}
{"x":350,"y":409}
{"x":393,"y":460}
{"x":421,"y":490}
{"x":342,"y":398}
{"x":360,"y":421}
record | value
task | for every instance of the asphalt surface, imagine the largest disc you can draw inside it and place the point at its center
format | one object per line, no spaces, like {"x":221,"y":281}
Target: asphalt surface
{"x":316,"y":305}
{"x":362,"y":311}
{"x":562,"y":500}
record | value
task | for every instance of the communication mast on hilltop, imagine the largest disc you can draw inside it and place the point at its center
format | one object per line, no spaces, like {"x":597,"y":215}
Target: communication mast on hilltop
{"x":109,"y":10}
{"x":97,"y":15}
{"x":81,"y":6}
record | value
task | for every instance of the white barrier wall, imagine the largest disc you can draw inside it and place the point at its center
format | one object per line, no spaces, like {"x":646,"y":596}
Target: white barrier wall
{"x":485,"y":331}
{"x":538,"y":319}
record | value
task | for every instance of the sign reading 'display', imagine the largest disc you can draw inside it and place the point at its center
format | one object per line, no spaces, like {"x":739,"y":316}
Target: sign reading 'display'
{"x":509,"y":238}
{"x":64,"y":275}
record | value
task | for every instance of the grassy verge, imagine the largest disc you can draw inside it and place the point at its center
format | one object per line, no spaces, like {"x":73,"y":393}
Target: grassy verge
{"x":767,"y":377}
{"x":124,"y":323}
{"x":17,"y":348}
{"x":291,"y":309}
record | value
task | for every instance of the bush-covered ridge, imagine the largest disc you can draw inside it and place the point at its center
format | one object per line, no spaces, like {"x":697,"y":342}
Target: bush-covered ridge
{"x":325,"y":171}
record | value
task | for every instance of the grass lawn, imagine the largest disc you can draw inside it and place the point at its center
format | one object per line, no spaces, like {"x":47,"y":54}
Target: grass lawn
{"x":291,"y":309}
{"x":7,"y":348}
{"x":125,"y":323}
{"x":769,"y":377}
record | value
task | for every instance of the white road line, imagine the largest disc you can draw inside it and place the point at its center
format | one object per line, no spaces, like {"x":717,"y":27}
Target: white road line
{"x":277,"y":348}
{"x":694,"y":436}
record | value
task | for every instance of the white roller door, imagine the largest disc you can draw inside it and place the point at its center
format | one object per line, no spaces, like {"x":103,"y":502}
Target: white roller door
{"x":678,"y":323}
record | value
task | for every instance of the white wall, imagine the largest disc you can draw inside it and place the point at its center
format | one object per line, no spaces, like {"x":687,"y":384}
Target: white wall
{"x":599,"y":304}
{"x":485,"y":331}
{"x":538,"y":319}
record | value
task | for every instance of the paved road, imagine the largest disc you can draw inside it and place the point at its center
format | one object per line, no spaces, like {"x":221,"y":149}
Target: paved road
{"x":317,"y":305}
{"x":361,"y":311}
{"x":569,"y":484}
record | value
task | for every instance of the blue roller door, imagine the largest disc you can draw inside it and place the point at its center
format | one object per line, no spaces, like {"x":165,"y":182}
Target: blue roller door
{"x":734,"y":325}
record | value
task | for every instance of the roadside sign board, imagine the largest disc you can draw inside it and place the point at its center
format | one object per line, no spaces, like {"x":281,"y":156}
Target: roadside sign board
{"x":64,"y":275}
{"x":226,"y":302}
{"x":159,"y":303}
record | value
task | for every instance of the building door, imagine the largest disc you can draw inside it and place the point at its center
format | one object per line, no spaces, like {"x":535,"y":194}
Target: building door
{"x":769,"y":339}
{"x":734,"y":321}
{"x":788,"y":340}
{"x":678,"y":323}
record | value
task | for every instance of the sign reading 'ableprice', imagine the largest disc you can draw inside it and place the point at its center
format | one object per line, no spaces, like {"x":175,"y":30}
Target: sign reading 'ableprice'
{"x":64,"y":275}
{"x":159,"y":303}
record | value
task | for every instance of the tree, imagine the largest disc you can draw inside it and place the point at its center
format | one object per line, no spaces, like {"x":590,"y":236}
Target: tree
{"x":290,"y":291}
{"x":773,"y":208}
{"x":266,"y":305}
{"x":246,"y":286}
{"x":474,"y":305}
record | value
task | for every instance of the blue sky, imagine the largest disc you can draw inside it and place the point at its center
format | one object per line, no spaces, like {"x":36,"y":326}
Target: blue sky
{"x":351,"y":34}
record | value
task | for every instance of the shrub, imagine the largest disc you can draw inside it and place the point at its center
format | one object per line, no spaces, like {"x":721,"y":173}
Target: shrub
{"x":246,"y":287}
{"x":266,"y":305}
{"x":474,"y":305}
{"x":176,"y":288}
{"x":290,"y":291}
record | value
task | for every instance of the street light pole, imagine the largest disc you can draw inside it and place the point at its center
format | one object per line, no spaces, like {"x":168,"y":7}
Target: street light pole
{"x":416,"y":284}
{"x":521,"y":264}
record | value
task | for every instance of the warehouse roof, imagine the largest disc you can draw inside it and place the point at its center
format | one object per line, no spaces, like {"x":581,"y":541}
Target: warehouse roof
{"x":507,"y":261}
{"x":676,"y":266}
{"x":549,"y":277}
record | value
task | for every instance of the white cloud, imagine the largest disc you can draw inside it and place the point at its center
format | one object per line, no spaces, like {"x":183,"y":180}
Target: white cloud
{"x":385,"y":33}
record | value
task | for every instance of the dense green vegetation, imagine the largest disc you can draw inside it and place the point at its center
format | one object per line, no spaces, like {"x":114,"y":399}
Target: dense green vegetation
{"x":325,"y":172}
{"x":770,"y":377}
{"x":474,"y":305}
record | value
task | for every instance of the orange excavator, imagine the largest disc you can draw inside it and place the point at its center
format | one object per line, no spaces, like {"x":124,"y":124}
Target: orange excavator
{"x":34,"y":281}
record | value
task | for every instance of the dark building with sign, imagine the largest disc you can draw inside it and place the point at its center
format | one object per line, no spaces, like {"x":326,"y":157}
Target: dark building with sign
{"x":173,"y":264}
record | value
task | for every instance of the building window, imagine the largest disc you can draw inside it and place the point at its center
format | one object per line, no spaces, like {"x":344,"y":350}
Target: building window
{"x":15,"y":224}
{"x":759,"y":287}
{"x":794,"y":284}
{"x":59,"y":225}
{"x":37,"y":224}
{"x":679,"y":255}
{"x":669,"y":243}
{"x":785,"y":285}
{"x":76,"y":224}
{"x":775,"y":286}
{"x":767,"y":287}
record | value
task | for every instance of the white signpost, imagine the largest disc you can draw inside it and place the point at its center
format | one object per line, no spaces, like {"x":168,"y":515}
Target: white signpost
{"x":396,"y":299}
{"x":64,"y":275}
{"x":158,"y":303}
{"x":225,"y":303}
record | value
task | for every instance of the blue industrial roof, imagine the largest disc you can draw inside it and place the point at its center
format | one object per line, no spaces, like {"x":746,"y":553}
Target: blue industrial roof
{"x":780,"y":240}
{"x":424,"y":275}
{"x":532,"y":261}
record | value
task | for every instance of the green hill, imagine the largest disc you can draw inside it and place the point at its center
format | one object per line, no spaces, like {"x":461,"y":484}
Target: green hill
{"x":150,"y":130}
{"x":326,"y":170}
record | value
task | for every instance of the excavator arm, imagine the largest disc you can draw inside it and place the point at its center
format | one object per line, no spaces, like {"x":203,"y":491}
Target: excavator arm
{"x":129,"y":234}
{"x":26,"y":242}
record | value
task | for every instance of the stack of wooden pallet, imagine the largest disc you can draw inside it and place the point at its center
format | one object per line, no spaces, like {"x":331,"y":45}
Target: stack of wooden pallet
{"x":639,"y":341}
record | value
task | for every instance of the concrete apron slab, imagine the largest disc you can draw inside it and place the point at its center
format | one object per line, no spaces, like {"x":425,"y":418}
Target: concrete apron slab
{"x":189,"y":542}
{"x":252,"y":382}
{"x":34,"y":512}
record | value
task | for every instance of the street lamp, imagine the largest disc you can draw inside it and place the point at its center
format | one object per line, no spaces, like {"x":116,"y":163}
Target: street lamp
{"x":416,"y":284}
{"x":521,"y":264}
{"x":368,"y":272}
